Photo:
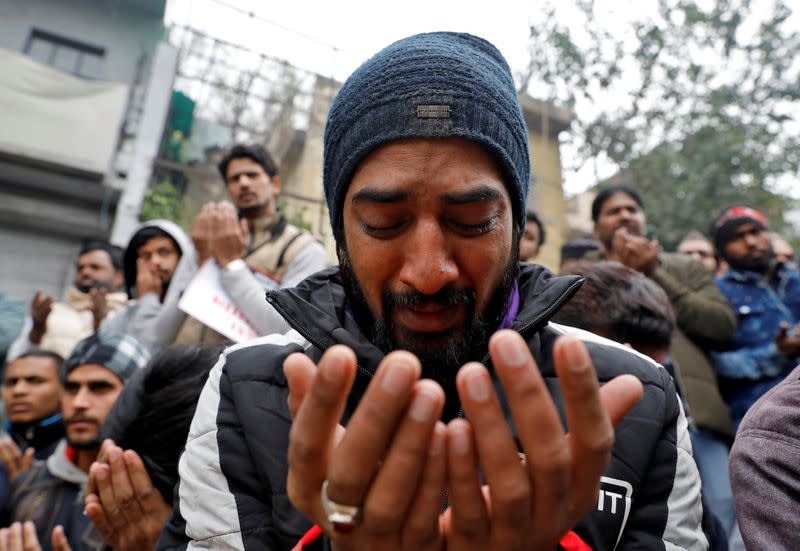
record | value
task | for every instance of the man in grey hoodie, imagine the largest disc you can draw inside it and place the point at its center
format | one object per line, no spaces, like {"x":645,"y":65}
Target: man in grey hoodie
{"x":159,"y":263}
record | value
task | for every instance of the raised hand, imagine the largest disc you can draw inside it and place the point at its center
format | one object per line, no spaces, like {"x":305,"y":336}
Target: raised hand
{"x":390,"y":461}
{"x":147,"y":280}
{"x":99,"y":306}
{"x":635,"y":252}
{"x":529,"y":504}
{"x":41,"y":307}
{"x":15,"y":461}
{"x":788,"y":340}
{"x":125,"y":508}
{"x":22,"y":537}
{"x":229,"y":235}
{"x":202,"y":233}
{"x":58,"y":540}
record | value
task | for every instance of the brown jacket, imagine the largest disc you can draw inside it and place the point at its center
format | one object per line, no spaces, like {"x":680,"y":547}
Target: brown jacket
{"x":704,"y":318}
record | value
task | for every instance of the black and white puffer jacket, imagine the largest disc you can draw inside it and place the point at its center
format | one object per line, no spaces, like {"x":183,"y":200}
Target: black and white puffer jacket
{"x":232,"y":492}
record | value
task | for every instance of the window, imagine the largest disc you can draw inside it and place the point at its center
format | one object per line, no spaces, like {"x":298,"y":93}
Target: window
{"x":71,"y":56}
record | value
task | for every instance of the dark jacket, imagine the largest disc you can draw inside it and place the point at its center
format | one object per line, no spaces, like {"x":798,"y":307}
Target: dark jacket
{"x":43,"y":436}
{"x":52,"y":493}
{"x":765,"y":469}
{"x":232,"y":493}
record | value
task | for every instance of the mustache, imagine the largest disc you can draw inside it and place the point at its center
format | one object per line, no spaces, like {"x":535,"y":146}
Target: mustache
{"x":443,"y":297}
{"x":84,"y":285}
{"x":78,"y":418}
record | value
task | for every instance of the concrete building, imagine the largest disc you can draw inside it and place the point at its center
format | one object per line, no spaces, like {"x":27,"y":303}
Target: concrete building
{"x":85,"y":91}
{"x":579,"y":214}
{"x":546,"y":196}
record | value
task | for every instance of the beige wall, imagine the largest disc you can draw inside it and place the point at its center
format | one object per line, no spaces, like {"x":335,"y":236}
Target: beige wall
{"x":547,"y":197}
{"x":579,"y":214}
{"x":302,"y":182}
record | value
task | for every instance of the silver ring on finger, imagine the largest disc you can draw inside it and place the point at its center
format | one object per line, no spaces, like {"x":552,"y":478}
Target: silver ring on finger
{"x":342,"y":518}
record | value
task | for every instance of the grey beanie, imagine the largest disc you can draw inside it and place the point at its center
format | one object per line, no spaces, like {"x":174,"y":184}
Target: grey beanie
{"x":432,"y":85}
{"x":121,"y":354}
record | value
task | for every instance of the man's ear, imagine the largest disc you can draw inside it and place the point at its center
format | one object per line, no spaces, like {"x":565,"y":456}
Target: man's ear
{"x":595,"y":233}
{"x":118,"y":280}
{"x":276,"y":183}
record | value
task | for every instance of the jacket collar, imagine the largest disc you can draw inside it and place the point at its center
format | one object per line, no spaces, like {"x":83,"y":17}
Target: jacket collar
{"x":776,"y":270}
{"x":743,"y":276}
{"x":317,"y":309}
{"x":61,"y":467}
{"x":40,"y":434}
{"x":265,"y":224}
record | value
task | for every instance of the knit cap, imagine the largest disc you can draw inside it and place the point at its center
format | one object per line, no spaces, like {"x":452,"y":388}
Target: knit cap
{"x":431,"y":85}
{"x":122,"y":354}
{"x":726,"y":224}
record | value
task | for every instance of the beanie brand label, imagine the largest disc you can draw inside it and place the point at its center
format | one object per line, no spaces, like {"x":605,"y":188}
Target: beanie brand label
{"x":433,"y":111}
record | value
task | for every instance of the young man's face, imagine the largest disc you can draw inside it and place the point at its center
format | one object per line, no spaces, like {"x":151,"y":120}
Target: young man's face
{"x":250,"y":189}
{"x":31,"y":389}
{"x":95,"y":270}
{"x":782,"y":250}
{"x":619,"y":210}
{"x":430,"y":247}
{"x":89,"y":392}
{"x":529,"y":244}
{"x":700,"y":250}
{"x":748,"y":248}
{"x":160,"y":254}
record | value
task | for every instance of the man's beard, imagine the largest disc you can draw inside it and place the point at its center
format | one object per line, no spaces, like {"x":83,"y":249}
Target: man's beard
{"x":758,"y":265}
{"x":441,"y":354}
{"x":251,"y":211}
{"x":96,"y":285}
{"x":89,"y":443}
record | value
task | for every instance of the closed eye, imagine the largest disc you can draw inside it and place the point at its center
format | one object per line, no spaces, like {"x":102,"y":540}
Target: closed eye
{"x":381,"y":231}
{"x":479,"y":228}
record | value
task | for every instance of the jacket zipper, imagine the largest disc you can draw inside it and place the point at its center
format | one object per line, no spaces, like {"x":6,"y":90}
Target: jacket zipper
{"x":297,"y":326}
{"x":562,"y":298}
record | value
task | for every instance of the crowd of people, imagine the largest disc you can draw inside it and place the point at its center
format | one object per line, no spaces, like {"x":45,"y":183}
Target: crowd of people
{"x":437,"y":388}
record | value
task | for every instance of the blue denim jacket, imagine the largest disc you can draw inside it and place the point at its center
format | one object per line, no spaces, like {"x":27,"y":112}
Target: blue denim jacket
{"x":752,"y":364}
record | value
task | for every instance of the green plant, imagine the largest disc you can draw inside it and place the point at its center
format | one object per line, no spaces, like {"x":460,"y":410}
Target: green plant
{"x":160,"y":201}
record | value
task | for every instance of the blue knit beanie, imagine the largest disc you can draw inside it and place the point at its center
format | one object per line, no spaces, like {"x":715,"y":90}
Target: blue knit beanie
{"x":432,"y":85}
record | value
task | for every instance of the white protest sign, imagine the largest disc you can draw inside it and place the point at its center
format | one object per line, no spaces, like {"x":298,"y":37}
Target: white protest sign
{"x":206,"y":300}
